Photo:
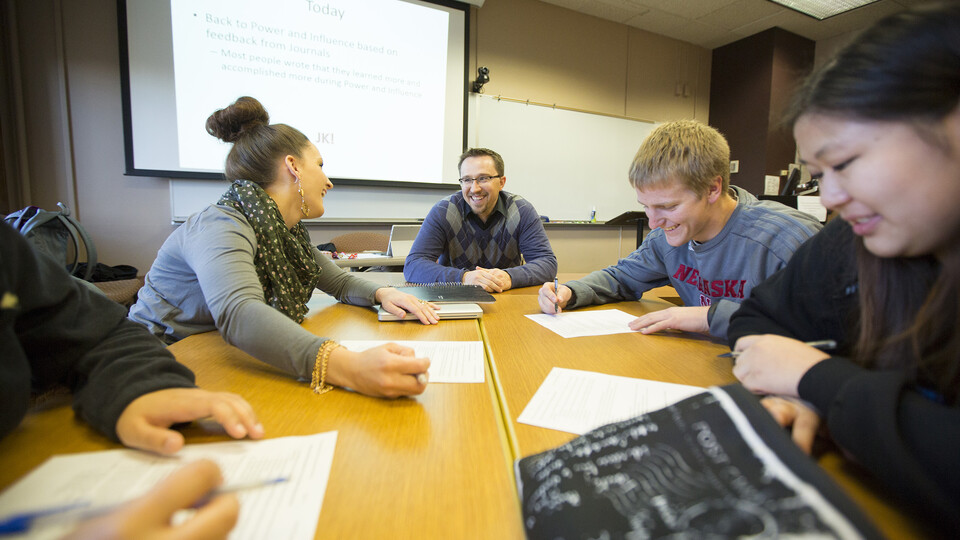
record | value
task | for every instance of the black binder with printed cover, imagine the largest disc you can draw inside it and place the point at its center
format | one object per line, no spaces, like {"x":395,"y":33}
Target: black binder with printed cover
{"x":450,"y":293}
{"x":714,"y":465}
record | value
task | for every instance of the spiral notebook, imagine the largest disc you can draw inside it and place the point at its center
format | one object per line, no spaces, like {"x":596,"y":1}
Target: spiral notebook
{"x":450,"y":293}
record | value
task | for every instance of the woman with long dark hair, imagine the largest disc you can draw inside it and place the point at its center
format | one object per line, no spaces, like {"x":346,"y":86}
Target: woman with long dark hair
{"x":879,"y":125}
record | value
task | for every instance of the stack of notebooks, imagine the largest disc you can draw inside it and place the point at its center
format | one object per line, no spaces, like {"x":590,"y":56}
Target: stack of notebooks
{"x":456,"y":300}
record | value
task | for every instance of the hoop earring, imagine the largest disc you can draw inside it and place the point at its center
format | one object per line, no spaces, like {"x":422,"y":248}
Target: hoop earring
{"x":304,"y":207}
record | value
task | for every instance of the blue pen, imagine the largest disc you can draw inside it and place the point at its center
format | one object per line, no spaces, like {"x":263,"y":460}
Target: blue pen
{"x":18,"y":523}
{"x":556,"y":291}
{"x":21,"y":522}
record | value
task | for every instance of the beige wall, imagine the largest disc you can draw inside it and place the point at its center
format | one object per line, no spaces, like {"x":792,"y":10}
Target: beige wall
{"x":548,"y":54}
{"x":74,"y":129}
{"x":73,"y":119}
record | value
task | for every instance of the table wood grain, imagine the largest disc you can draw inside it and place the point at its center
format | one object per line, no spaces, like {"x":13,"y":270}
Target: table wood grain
{"x":438,"y":465}
{"x":432,"y":466}
{"x":524,"y":352}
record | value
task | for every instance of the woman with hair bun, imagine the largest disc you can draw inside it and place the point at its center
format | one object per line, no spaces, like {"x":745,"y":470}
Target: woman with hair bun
{"x":245,"y":266}
{"x":879,"y":125}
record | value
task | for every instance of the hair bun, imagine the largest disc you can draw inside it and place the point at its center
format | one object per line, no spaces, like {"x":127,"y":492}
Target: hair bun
{"x":241,"y":116}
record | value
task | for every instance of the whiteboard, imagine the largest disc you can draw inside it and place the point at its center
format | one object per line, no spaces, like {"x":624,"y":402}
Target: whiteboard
{"x":566,"y":163}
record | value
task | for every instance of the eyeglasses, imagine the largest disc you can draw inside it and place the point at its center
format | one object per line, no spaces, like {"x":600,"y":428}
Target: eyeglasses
{"x":482,"y":180}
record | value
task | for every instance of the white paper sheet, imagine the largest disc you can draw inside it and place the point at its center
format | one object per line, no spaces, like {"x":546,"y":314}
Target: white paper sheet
{"x":585,"y":323}
{"x":287,"y":510}
{"x":450,"y":361}
{"x":812,"y":206}
{"x":579,"y":401}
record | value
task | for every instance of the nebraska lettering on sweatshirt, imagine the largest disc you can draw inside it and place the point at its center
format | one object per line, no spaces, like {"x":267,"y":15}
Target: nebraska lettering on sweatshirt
{"x":715,"y":288}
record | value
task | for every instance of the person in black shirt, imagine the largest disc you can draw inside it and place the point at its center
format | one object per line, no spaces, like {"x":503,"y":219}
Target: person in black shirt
{"x":879,"y":126}
{"x":54,"y":331}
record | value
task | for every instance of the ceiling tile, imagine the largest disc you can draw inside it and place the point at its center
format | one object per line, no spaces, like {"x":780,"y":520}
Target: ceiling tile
{"x":740,"y":12}
{"x":688,"y":9}
{"x":613,"y":10}
{"x":575,"y":5}
{"x":713,"y":23}
{"x":676,"y":27}
{"x":786,"y":19}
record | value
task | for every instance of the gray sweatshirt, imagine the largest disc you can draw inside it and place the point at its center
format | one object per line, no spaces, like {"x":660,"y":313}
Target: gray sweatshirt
{"x":758,"y":239}
{"x":204,"y":279}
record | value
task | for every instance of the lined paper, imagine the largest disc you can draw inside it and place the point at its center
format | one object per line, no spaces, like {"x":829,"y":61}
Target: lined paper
{"x":285,"y":510}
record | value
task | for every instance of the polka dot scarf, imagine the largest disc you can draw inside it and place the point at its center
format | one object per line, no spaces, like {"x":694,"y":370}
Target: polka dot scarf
{"x":284,"y":258}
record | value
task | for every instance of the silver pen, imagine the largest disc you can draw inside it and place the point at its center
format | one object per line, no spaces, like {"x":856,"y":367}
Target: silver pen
{"x":823,"y":345}
{"x":556,"y":291}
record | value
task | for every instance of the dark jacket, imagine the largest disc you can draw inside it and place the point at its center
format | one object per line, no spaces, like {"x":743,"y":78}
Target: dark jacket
{"x":880,"y":418}
{"x":56,"y":331}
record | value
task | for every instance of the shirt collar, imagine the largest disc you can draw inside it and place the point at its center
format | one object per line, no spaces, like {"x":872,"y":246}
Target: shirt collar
{"x":500,"y":207}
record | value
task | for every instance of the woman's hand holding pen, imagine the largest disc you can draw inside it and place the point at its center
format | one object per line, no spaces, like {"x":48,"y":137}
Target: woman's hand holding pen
{"x":389,"y":371}
{"x":552,"y":298}
{"x":400,"y":303}
{"x":770,"y":364}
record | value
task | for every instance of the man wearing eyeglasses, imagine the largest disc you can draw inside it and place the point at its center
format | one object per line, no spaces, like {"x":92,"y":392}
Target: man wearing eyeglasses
{"x":482,"y":235}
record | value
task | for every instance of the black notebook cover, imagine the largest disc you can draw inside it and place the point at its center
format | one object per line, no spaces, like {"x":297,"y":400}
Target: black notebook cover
{"x":715,"y":465}
{"x":450,"y":293}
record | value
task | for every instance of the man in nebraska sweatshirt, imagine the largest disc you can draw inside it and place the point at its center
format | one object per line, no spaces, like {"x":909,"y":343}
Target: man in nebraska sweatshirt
{"x":712,"y":241}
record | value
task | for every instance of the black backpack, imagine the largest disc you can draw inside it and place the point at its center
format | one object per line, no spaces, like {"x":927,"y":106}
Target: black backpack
{"x":52,"y":232}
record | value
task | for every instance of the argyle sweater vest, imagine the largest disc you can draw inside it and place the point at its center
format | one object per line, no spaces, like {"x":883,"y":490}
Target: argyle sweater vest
{"x":470,"y":245}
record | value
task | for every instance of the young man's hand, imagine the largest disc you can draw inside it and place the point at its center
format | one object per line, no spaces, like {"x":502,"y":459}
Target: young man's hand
{"x":688,"y":319}
{"x":552,"y":300}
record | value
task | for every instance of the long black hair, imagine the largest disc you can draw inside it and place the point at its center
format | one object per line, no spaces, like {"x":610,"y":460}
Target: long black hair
{"x":905,"y":68}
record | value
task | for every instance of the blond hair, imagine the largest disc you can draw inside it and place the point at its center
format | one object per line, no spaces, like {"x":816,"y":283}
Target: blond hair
{"x":685,"y":150}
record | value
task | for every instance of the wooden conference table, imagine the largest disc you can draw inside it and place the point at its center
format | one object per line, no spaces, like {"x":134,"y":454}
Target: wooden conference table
{"x":439,"y":465}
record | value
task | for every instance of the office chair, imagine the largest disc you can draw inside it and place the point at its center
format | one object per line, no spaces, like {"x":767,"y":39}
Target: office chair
{"x":356,"y":242}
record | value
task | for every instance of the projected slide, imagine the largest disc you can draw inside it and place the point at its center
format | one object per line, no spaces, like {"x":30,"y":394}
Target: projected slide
{"x":375,"y":84}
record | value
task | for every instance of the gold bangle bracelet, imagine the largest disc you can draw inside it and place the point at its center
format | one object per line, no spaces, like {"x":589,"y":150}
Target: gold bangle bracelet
{"x":319,"y":380}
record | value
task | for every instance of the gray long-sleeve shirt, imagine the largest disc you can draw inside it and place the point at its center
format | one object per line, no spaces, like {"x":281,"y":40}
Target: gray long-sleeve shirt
{"x":758,"y":239}
{"x":204,"y":279}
